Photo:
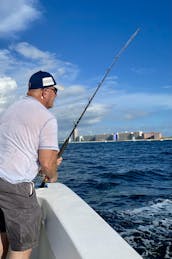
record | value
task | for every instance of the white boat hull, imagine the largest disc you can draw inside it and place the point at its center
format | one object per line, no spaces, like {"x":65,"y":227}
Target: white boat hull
{"x":71,"y":229}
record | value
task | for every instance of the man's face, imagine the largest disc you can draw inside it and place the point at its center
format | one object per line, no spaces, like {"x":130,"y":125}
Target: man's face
{"x":50,"y":94}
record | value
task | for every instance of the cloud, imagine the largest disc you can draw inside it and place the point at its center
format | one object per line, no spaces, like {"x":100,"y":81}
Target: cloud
{"x":112,"y":80}
{"x":45,"y":60}
{"x":95,"y":113}
{"x":141,"y":110}
{"x":167,"y":87}
{"x":29,"y":51}
{"x":132,"y":115}
{"x":17,"y":15}
{"x":6,"y":61}
{"x":7,"y":84}
{"x":114,"y":109}
{"x":111,"y":107}
{"x":72,"y":103}
{"x":145,"y":101}
{"x":74,"y":90}
{"x":17,"y":62}
{"x":73,"y":112}
{"x":121,"y":100}
{"x":73,"y":94}
{"x":7,"y":89}
{"x":143,"y":70}
{"x":16,"y":66}
{"x":69,"y":115}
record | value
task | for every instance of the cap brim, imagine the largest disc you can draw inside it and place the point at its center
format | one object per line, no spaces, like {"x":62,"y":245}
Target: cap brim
{"x":59,"y":87}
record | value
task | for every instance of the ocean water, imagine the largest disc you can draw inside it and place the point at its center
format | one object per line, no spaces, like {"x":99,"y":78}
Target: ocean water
{"x":130,"y":185}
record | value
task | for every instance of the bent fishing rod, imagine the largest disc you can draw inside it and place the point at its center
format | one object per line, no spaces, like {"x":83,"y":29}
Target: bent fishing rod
{"x":64,"y":145}
{"x":108,"y":70}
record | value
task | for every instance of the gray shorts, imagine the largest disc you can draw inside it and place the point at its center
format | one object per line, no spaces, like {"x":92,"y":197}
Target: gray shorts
{"x":20,"y":215}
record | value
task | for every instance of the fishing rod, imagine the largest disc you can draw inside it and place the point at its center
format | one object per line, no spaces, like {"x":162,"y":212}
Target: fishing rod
{"x":115,"y":59}
{"x":64,"y":145}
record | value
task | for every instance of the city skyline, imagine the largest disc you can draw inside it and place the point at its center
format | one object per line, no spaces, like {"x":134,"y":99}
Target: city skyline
{"x":119,"y":136}
{"x":76,"y":42}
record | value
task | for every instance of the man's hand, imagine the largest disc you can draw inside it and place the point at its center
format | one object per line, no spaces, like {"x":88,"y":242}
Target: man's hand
{"x":51,"y":180}
{"x":59,"y":161}
{"x":49,"y":164}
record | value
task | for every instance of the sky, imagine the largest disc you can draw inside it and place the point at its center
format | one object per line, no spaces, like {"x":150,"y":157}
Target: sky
{"x":76,"y":41}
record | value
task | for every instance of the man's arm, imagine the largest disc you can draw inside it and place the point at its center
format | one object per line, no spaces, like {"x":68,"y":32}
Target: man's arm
{"x":48,"y":163}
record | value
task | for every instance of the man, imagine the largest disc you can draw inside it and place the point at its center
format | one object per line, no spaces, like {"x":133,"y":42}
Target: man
{"x":28,"y":142}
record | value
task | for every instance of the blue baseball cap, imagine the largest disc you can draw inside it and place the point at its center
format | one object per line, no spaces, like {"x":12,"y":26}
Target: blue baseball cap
{"x":43,"y":79}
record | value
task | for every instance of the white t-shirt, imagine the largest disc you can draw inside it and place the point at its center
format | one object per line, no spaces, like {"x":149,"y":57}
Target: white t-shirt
{"x":25,"y":127}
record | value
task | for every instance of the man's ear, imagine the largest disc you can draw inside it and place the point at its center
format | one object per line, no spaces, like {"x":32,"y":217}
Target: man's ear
{"x":44,"y":93}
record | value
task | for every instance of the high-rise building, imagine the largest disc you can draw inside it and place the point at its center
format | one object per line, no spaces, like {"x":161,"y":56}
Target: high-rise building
{"x":75,"y":134}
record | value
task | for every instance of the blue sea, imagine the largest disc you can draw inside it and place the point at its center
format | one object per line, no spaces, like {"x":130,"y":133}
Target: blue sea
{"x":130,"y":185}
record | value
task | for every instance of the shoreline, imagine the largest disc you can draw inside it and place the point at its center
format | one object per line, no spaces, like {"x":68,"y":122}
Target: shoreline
{"x":114,"y":141}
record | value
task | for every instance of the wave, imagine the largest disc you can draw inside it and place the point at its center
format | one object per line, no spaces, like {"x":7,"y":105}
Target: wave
{"x":148,"y":229}
{"x":160,"y":205}
{"x":166,"y":153}
{"x":129,"y":185}
{"x":135,"y":175}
